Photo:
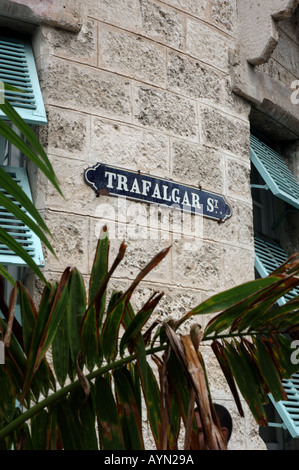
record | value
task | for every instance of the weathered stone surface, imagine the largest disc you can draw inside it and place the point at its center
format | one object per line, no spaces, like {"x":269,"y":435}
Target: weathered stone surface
{"x":207,"y":44}
{"x":150,"y":18}
{"x":191,"y":78}
{"x":238,"y":179}
{"x":166,"y":111}
{"x":286,"y":54}
{"x":70,"y":241}
{"x":131,"y":220}
{"x":174,"y":304}
{"x":197,"y":8}
{"x":243,"y":216}
{"x":224,"y":132}
{"x":276,"y":71}
{"x":162,"y":24}
{"x":219,"y":387}
{"x":231,"y":102}
{"x":129,"y":147}
{"x":272,"y":99}
{"x":290,"y":26}
{"x":78,"y":197}
{"x":67,"y":133}
{"x":69,"y":14}
{"x":132,"y":55}
{"x":236,"y":231}
{"x":283,"y":66}
{"x":81,"y":47}
{"x":258,"y":28}
{"x":266,"y":43}
{"x":197,"y":165}
{"x":123,"y":13}
{"x":224,"y":14}
{"x":137,"y":218}
{"x":253,"y":440}
{"x":138,"y":253}
{"x":87,"y":89}
{"x":198,"y":265}
{"x":238,"y":266}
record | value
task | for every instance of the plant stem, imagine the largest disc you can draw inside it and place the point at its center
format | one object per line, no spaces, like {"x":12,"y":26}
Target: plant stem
{"x":67,"y":389}
{"x":232,"y":335}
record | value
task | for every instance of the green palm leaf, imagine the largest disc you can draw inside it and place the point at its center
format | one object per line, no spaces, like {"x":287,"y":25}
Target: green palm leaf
{"x":9,"y":241}
{"x":30,"y":146}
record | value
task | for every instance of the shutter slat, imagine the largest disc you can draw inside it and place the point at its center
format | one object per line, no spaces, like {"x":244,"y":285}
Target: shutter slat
{"x":14,"y":66}
{"x":268,"y":257}
{"x":274,"y":172}
{"x":16,"y":228}
{"x":17,"y":68}
{"x":13,"y":57}
{"x":288,"y":410}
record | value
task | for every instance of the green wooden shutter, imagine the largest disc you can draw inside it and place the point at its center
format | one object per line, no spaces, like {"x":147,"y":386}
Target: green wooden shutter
{"x":17,"y":68}
{"x":22,"y":234}
{"x":269,"y":256}
{"x":276,"y":174}
{"x":288,"y":410}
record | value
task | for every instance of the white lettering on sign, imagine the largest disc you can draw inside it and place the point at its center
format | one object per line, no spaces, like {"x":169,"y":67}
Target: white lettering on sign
{"x":146,"y":186}
{"x":114,"y":181}
{"x":135,"y":187}
{"x":195,"y":200}
{"x":176,"y":199}
{"x":212,"y":204}
{"x":110,"y":177}
{"x":120,"y":182}
{"x":165,"y":193}
{"x":185,"y":200}
{"x":156,"y":194}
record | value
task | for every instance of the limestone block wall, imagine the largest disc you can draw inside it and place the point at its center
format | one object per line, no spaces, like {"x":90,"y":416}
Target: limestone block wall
{"x":265,"y":67}
{"x":283,"y":63}
{"x":145,"y":85}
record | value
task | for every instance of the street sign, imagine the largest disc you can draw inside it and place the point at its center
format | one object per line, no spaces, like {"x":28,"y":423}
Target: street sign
{"x":113,"y":181}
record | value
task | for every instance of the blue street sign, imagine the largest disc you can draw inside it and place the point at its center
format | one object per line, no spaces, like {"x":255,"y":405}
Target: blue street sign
{"x":113,"y":181}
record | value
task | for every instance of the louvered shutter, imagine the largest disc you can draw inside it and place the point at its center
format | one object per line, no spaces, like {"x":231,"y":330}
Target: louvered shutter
{"x":17,"y":68}
{"x":276,"y":174}
{"x":288,"y":410}
{"x":268,"y":257}
{"x":22,"y":234}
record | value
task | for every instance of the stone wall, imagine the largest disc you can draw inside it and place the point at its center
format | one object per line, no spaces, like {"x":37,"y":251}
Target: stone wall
{"x":283,"y":65}
{"x":264,"y":67}
{"x":145,"y":85}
